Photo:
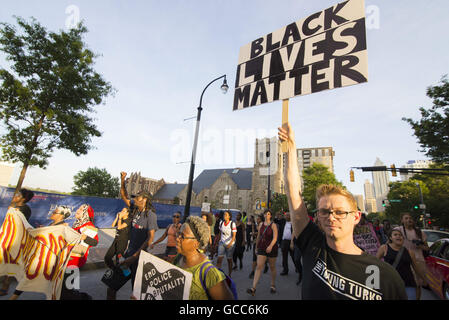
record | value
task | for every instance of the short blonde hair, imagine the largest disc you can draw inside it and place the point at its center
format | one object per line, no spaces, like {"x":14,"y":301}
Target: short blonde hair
{"x":332,"y":189}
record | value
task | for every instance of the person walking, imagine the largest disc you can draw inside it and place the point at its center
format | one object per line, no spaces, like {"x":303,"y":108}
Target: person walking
{"x":403,"y":260}
{"x":208,"y":282}
{"x":267,"y":249}
{"x":122,"y":224}
{"x":250,"y":224}
{"x":286,"y":240}
{"x":142,"y":231}
{"x":57,"y":217}
{"x":227,"y":236}
{"x":415,"y":241}
{"x":170,"y":233}
{"x":254,"y":233}
{"x":19,"y":201}
{"x":240,"y":241}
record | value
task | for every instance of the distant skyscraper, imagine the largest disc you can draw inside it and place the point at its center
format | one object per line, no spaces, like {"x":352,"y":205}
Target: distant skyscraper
{"x":308,"y":156}
{"x":380,"y":181}
{"x":371,"y":205}
{"x":369,"y":192}
{"x":360,"y":202}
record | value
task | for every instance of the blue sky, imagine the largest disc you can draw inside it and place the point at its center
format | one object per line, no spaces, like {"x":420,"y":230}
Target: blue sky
{"x":159,"y":55}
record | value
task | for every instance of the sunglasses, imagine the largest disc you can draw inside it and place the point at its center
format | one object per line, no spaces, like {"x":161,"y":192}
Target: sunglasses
{"x":177,"y":217}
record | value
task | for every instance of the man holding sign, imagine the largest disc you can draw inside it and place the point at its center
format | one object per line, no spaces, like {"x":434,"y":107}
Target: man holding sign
{"x":334,"y":267}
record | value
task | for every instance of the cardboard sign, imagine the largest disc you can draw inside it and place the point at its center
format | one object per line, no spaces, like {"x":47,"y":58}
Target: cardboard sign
{"x":324,"y":51}
{"x":157,"y":279}
{"x":205,"y":207}
{"x":365,"y":238}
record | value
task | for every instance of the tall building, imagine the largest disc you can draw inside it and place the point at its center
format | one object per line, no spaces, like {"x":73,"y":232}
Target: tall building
{"x":360,"y":202}
{"x":370,"y":199}
{"x":414,"y":164}
{"x":371,"y":205}
{"x":6,"y":171}
{"x":272,"y":166}
{"x":380,"y":180}
{"x":369,"y":191}
{"x":308,"y":156}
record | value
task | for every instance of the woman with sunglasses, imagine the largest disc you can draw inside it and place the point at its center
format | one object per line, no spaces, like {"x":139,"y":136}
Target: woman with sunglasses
{"x":170,"y":233}
{"x":208,"y":282}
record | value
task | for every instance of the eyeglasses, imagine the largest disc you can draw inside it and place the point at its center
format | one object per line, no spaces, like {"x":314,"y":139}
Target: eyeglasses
{"x":180,"y":234}
{"x":340,"y":215}
{"x":176,"y":217}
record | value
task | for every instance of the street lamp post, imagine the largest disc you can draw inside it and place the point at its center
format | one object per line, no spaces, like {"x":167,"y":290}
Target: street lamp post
{"x":422,"y":203}
{"x":225,"y":88}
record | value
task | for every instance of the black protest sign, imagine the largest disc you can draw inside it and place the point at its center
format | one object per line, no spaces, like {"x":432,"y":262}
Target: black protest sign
{"x":324,"y":51}
{"x":157,"y":279}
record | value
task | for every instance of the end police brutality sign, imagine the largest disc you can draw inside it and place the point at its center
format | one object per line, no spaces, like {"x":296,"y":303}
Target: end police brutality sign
{"x":326,"y":50}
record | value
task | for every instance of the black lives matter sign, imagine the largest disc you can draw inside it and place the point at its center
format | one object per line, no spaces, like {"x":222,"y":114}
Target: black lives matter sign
{"x":324,"y":51}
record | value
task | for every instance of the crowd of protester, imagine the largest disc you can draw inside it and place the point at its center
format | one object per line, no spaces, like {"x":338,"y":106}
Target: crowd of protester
{"x":203,"y":243}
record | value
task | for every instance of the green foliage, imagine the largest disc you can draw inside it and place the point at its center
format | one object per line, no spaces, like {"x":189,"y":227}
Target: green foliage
{"x":97,"y":183}
{"x":432,"y":130}
{"x":313,"y":177}
{"x":47,"y":93}
{"x":434,"y":189}
{"x":279,"y":202}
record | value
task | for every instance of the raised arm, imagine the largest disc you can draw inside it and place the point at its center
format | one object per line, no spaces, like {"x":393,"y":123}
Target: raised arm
{"x":298,"y":209}
{"x":123,"y":192}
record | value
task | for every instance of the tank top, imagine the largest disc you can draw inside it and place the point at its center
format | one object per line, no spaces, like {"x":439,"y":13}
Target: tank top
{"x":267,"y":236}
{"x":404,"y":265}
{"x":171,"y":236}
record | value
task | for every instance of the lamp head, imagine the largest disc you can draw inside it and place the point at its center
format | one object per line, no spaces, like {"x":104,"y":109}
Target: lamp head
{"x":224,"y":87}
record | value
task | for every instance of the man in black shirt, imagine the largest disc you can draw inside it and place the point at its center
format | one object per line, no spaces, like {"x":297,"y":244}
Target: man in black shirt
{"x":334,"y":267}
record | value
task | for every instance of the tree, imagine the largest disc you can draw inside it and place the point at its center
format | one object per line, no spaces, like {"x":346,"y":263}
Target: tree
{"x":279,"y":202}
{"x":313,"y":177}
{"x":47,"y":97}
{"x":432,"y":130}
{"x":434,"y":189}
{"x":96,"y":182}
{"x":408,"y":194}
{"x":436,"y":201}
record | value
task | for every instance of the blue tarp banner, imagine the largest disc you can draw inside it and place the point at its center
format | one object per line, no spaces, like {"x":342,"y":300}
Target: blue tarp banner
{"x":105,"y":209}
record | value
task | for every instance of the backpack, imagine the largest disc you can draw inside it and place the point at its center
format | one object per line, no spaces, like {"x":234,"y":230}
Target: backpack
{"x":229,"y":281}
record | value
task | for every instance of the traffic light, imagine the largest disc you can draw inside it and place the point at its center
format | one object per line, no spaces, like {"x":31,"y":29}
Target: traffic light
{"x":429,"y":223}
{"x":351,"y":175}
{"x":416,"y":207}
{"x":393,"y":170}
{"x":383,"y":203}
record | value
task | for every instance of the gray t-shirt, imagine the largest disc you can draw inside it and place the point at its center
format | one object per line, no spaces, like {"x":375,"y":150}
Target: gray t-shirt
{"x":142,"y":223}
